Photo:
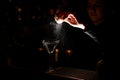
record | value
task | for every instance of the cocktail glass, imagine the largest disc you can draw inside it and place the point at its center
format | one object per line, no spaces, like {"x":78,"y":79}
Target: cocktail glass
{"x":50,"y":45}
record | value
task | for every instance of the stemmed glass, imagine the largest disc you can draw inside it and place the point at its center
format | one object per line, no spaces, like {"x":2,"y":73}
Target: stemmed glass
{"x":50,"y":45}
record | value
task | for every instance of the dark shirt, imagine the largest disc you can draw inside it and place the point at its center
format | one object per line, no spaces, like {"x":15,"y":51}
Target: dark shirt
{"x":85,"y":51}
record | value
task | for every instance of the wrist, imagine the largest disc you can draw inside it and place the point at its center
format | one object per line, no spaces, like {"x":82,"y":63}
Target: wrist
{"x":81,"y":26}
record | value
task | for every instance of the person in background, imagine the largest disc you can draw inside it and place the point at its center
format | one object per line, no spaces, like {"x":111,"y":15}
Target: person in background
{"x":103,"y":15}
{"x":96,"y":14}
{"x":95,"y":9}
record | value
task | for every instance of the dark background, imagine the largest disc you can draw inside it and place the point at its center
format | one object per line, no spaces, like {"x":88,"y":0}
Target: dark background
{"x":24,"y":23}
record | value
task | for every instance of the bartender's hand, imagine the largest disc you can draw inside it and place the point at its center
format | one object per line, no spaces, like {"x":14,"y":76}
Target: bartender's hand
{"x":70,"y":19}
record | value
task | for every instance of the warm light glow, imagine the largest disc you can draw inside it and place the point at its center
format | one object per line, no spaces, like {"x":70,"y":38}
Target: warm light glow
{"x":33,"y":17}
{"x":19,"y":9}
{"x":19,"y":18}
{"x":56,"y":50}
{"x":69,"y":52}
{"x":40,"y":49}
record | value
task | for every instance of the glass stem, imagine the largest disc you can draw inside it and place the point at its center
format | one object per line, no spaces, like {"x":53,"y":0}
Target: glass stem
{"x":51,"y":60}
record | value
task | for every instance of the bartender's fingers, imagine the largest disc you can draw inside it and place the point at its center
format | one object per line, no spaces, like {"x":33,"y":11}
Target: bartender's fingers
{"x":71,"y":19}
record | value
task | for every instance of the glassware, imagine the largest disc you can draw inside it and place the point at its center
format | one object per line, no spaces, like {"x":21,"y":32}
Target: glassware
{"x":50,"y":45}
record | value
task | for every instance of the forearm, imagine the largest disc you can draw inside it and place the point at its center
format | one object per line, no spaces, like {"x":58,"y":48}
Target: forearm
{"x":91,"y":35}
